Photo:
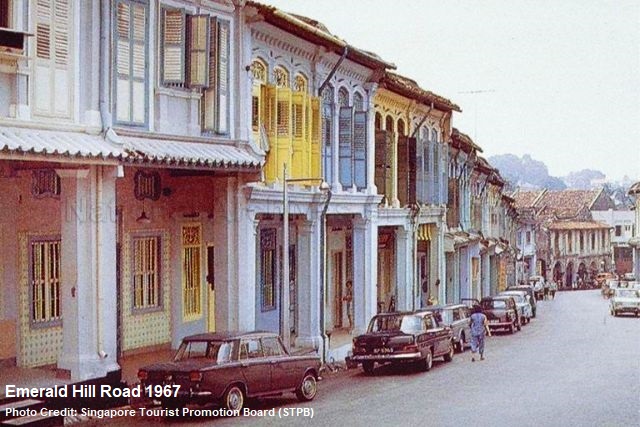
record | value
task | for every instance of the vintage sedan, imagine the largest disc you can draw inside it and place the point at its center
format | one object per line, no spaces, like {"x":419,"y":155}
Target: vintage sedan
{"x":523,"y":303}
{"x":455,"y":316}
{"x":400,"y":338}
{"x":532,"y":297}
{"x":501,"y":312}
{"x":625,"y":301}
{"x":226,"y":368}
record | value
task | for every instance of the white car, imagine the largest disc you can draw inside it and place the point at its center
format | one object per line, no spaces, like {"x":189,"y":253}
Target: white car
{"x":625,"y":300}
{"x":522,"y":302}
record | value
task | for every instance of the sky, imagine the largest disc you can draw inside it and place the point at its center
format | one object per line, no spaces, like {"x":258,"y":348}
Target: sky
{"x":559,"y":80}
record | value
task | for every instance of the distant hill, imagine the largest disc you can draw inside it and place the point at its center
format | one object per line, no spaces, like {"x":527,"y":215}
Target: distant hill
{"x":525,"y":172}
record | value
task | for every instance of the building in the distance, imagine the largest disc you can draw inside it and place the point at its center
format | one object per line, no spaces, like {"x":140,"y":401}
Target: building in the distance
{"x":634,"y":241}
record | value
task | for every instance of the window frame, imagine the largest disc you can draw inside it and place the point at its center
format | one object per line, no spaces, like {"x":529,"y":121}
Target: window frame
{"x":49,"y":322}
{"x":196,"y":314}
{"x":114,"y":65}
{"x":158,"y":273}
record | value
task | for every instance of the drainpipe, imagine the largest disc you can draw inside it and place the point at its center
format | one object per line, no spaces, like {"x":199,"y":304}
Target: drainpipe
{"x":323,"y":272}
{"x":333,"y":70}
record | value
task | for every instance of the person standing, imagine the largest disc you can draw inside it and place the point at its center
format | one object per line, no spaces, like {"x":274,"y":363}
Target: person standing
{"x":479,"y":327}
{"x":553,"y":287}
{"x":348,"y":299}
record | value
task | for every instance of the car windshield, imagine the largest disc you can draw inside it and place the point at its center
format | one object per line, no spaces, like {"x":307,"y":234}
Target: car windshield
{"x":627,"y":293}
{"x":494,"y":303}
{"x":216,"y":351}
{"x":396,"y":323}
{"x":518,"y":298}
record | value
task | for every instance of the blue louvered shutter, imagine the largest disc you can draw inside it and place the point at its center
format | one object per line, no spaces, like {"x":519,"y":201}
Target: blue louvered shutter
{"x":345,"y":146}
{"x":360,"y":149}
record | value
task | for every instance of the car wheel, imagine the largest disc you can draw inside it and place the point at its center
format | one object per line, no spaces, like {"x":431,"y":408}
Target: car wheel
{"x":427,"y":362}
{"x":448,"y":357}
{"x":233,"y":398}
{"x":511,"y":328}
{"x":519,"y":325}
{"x":615,"y":313}
{"x":367,"y":367}
{"x":307,"y":389}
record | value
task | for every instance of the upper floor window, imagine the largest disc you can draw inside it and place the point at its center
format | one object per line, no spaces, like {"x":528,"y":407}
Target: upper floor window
{"x":300,"y":83}
{"x":528,"y":238}
{"x":327,"y":132}
{"x":618,"y":230}
{"x":401,"y":127}
{"x":378,"y":121}
{"x":352,"y":142}
{"x":281,"y":77}
{"x":389,"y":125}
{"x":53,"y":88}
{"x":358,"y":102}
{"x":130,"y":62}
{"x":5,"y":17}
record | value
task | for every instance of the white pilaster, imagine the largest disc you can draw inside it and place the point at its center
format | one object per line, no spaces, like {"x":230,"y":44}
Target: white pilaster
{"x":242,"y":293}
{"x":309,"y":282}
{"x":404,"y":268}
{"x":88,"y":261}
{"x":371,"y":138}
{"x":365,"y":267}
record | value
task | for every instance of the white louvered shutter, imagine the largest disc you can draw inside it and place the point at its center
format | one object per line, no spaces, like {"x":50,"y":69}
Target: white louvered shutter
{"x":52,"y":80}
{"x":210,"y":94}
{"x":131,"y":62}
{"x":198,"y":56}
{"x":345,"y":146}
{"x":360,"y":149}
{"x":223,"y":78}
{"x":173,"y":46}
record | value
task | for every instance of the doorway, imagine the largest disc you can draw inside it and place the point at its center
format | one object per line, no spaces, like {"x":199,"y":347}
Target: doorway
{"x":337,"y":276}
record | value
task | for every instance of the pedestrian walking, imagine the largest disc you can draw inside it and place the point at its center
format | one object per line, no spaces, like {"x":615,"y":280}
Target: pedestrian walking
{"x":553,"y":287}
{"x":479,"y":327}
{"x":546,"y":290}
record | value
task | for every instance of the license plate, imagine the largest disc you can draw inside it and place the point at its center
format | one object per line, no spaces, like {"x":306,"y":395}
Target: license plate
{"x":383,"y":350}
{"x":494,"y":321}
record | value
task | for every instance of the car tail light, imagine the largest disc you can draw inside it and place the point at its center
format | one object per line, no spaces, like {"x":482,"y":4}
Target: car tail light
{"x":409,"y":348}
{"x":195,"y":376}
{"x":143,"y":375}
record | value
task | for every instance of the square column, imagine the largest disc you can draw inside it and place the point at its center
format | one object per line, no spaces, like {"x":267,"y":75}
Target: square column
{"x":88,"y":290}
{"x":371,"y":138}
{"x":365,"y":267}
{"x":309,"y":283}
{"x":405,"y":268}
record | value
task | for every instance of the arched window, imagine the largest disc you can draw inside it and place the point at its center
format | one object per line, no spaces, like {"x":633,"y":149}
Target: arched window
{"x":358,"y":102}
{"x":281,"y":77}
{"x":389,"y":125}
{"x":434,"y":135}
{"x":259,"y":71}
{"x":300,"y":83}
{"x":378,"y":121}
{"x":343,"y":97}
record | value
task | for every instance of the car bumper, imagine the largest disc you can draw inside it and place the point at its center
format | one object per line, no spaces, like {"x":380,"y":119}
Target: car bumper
{"x":627,"y":309}
{"x":356,"y":360}
{"x":500,"y":325}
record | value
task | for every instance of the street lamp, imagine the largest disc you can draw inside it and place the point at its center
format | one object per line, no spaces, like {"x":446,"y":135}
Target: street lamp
{"x":285,"y":327}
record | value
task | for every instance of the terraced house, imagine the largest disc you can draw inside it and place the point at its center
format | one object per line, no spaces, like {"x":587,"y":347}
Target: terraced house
{"x":170,"y":167}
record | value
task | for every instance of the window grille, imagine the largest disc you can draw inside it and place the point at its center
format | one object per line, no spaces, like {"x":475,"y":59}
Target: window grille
{"x":146,"y":272}
{"x":45,"y":258}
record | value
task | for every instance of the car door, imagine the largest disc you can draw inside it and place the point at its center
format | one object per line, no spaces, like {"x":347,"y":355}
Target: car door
{"x":282,"y":367}
{"x":255,"y":366}
{"x":434,"y":332}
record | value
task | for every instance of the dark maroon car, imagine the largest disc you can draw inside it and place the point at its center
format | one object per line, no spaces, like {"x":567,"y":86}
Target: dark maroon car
{"x":501,"y":312}
{"x":400,"y":338}
{"x":226,"y":368}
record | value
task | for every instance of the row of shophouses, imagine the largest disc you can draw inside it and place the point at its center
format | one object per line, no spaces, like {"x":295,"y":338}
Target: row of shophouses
{"x":145,"y":150}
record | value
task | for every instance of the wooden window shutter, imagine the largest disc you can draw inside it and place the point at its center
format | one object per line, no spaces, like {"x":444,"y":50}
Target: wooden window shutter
{"x":315,"y":131}
{"x":43,"y":29}
{"x":403,"y":170}
{"x":222,"y":104}
{"x":327,"y":137}
{"x":382,"y":168}
{"x":412,"y":171}
{"x":360,"y":149}
{"x":198,"y":55}
{"x":345,"y":145}
{"x":61,"y":31}
{"x":209,"y":98}
{"x":420,"y":171}
{"x":173,"y":45}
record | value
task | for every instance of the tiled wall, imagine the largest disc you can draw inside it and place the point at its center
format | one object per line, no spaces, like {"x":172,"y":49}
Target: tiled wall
{"x":149,"y":328}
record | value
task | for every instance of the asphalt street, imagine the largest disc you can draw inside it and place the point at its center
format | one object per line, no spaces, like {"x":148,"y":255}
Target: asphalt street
{"x":573,"y":365}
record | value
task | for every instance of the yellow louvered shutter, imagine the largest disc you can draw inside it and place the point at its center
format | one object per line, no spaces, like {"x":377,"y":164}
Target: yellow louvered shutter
{"x":315,"y":131}
{"x":299,"y":150}
{"x":173,"y":45}
{"x":283,"y":130}
{"x":198,"y":51}
{"x":53,"y":77}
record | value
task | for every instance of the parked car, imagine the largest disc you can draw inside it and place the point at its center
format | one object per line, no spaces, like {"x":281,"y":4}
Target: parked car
{"x":538,"y":286}
{"x":522,"y":302}
{"x":227,"y":368}
{"x":532,"y":297}
{"x":455,"y":316}
{"x":625,"y":300}
{"x":501,"y":312}
{"x":402,"y":337}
